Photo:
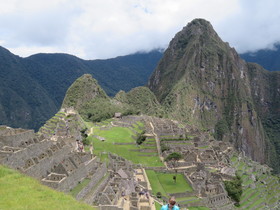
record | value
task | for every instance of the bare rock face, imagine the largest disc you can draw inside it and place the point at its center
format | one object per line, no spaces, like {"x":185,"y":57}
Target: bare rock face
{"x":202,"y":80}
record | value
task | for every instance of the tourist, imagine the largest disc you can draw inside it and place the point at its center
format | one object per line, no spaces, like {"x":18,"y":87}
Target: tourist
{"x":171,"y":205}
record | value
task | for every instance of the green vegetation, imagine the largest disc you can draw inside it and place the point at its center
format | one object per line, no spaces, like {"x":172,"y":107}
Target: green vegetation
{"x":144,"y":100}
{"x":74,"y":192}
{"x":221,"y":128}
{"x":100,"y":109}
{"x":122,"y":141}
{"x":141,"y":138}
{"x":21,"y":192}
{"x":175,"y":156}
{"x":162,"y":182}
{"x":272,"y":128}
{"x":37,"y":84}
{"x":158,"y":206}
{"x":234,"y":188}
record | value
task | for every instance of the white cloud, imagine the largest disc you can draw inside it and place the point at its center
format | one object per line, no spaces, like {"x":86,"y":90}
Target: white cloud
{"x":107,"y":28}
{"x":254,"y":27}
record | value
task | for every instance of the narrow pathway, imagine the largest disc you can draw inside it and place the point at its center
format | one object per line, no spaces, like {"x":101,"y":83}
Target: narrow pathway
{"x":157,"y":141}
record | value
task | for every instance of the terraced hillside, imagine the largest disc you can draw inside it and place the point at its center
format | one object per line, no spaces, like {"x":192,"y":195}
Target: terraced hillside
{"x":66,"y":122}
{"x":261,"y":190}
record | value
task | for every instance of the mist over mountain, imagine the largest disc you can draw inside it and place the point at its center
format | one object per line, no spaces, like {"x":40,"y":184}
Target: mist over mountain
{"x":33,"y":88}
{"x":269,"y":59}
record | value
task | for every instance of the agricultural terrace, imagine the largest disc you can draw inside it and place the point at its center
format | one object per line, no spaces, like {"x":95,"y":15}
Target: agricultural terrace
{"x":122,"y":141}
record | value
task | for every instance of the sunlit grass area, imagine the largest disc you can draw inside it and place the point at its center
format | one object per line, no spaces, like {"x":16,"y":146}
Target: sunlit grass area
{"x":18,"y":191}
{"x":122,"y":141}
{"x":164,"y":183}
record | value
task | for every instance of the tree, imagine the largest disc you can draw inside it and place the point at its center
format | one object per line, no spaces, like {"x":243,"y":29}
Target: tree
{"x":234,"y":189}
{"x":173,"y":159}
{"x":221,"y":128}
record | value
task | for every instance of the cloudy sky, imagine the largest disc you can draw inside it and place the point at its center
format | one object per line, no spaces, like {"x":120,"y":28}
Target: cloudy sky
{"x":93,"y":29}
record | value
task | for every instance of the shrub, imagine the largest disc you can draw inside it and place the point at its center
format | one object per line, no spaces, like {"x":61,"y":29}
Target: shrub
{"x":141,"y":138}
{"x":221,"y":128}
{"x":158,"y":194}
{"x":163,"y":147}
{"x":234,"y":188}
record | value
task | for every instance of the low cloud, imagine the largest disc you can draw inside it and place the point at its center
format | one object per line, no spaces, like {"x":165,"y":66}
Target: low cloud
{"x":108,"y":28}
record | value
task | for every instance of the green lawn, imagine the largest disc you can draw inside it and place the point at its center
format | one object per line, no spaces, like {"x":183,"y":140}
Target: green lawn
{"x":18,"y":191}
{"x":155,"y":183}
{"x":165,"y":184}
{"x":170,"y":186}
{"x":117,"y":135}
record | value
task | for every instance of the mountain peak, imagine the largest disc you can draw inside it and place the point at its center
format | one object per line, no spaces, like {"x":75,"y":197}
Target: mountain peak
{"x":201,"y":80}
{"x":198,"y":30}
{"x":83,"y":90}
{"x":199,"y":26}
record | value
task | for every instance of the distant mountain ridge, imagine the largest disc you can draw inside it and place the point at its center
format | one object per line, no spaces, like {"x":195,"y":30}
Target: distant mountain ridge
{"x":269,"y":59}
{"x":32,"y":89}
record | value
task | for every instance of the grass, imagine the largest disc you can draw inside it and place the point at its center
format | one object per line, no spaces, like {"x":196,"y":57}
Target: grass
{"x":158,"y":206}
{"x":21,"y":192}
{"x":79,"y":187}
{"x":164,"y":183}
{"x":116,"y":134}
{"x":170,"y":186}
{"x":122,"y":135}
{"x":155,"y":183}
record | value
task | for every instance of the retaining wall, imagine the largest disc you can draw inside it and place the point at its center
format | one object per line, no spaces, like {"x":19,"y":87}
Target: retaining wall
{"x":94,"y":180}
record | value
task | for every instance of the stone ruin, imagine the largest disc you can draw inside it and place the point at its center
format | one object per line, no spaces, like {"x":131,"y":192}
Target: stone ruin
{"x":54,"y":163}
{"x":123,"y":186}
{"x":57,"y":164}
{"x":118,"y":184}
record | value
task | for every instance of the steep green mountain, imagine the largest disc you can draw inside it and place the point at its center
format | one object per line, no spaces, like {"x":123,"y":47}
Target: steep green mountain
{"x":142,"y":100}
{"x":269,"y":59}
{"x":266,"y":94}
{"x":90,"y":100}
{"x":203,"y":81}
{"x":32,"y":89}
{"x":23,"y":102}
{"x":83,"y":90}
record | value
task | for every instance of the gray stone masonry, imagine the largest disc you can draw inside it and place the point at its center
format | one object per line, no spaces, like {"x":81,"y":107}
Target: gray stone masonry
{"x":18,"y":138}
{"x":97,"y":176}
{"x":109,"y":207}
{"x":90,"y":198}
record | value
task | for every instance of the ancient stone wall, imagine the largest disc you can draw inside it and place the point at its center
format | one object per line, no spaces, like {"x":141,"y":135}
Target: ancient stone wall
{"x":109,"y":207}
{"x":16,"y":137}
{"x":97,"y":176}
{"x":100,"y":187}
